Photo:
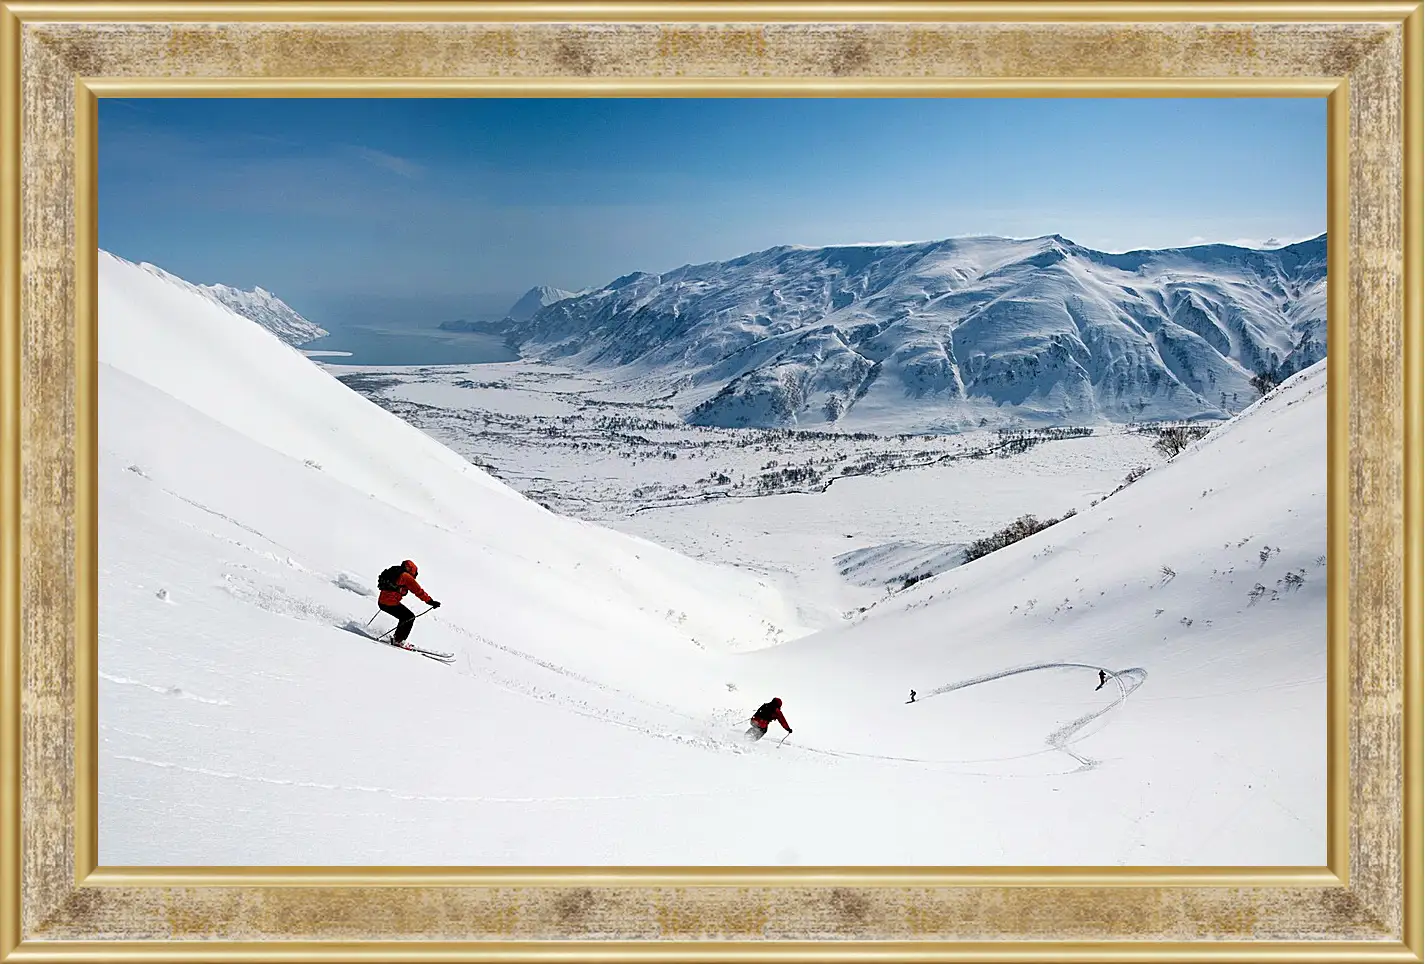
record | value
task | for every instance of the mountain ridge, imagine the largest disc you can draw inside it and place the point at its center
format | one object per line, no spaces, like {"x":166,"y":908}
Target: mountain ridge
{"x":540,"y":296}
{"x":524,"y":308}
{"x":950,"y":334}
{"x":258,"y":305}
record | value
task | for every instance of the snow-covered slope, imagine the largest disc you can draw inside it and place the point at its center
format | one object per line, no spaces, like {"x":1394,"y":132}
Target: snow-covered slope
{"x":259,"y":305}
{"x":1199,"y":589}
{"x":540,"y":296}
{"x":941,"y":335}
{"x":255,"y":394}
{"x":248,"y":499}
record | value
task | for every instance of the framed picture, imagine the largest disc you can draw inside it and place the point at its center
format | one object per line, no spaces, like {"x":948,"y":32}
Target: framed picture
{"x":679,"y":481}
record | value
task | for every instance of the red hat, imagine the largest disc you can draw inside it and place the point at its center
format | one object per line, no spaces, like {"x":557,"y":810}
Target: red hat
{"x":409,"y":566}
{"x":777,"y":700}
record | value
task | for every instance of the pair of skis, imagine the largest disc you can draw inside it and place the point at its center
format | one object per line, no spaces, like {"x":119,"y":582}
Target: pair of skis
{"x":439,"y":657}
{"x":446,"y":658}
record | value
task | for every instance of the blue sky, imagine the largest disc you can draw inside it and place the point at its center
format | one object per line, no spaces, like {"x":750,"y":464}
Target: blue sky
{"x":424,"y":210}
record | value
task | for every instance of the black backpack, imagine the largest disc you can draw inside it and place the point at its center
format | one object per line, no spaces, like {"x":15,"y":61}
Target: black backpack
{"x":388,"y":581}
{"x":767,"y":711}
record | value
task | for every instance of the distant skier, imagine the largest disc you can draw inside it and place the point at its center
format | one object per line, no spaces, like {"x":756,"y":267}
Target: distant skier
{"x":394,"y":583}
{"x":1102,"y":678}
{"x":764,"y":716}
{"x":912,"y":697}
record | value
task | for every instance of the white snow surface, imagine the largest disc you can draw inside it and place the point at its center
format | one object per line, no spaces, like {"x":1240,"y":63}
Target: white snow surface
{"x":601,"y":683}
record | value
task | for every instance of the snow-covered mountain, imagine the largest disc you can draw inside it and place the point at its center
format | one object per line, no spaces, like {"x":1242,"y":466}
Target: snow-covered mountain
{"x":259,"y":305}
{"x":941,"y":335}
{"x":522,"y":310}
{"x":540,"y":296}
{"x":593,"y":712}
{"x":269,"y":311}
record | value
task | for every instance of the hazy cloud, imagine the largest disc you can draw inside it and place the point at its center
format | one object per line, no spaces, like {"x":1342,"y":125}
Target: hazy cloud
{"x":396,"y":165}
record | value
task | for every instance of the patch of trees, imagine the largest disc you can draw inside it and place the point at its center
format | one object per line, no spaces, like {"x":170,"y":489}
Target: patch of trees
{"x":1017,"y":441}
{"x":1265,"y":381}
{"x":1021,"y":528}
{"x":1172,"y":437}
{"x":1173,"y":440}
{"x":789,"y":476}
{"x":1133,"y":476}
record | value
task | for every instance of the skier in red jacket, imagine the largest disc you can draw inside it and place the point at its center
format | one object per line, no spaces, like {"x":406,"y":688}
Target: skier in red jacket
{"x":764,"y":716}
{"x":394,"y":583}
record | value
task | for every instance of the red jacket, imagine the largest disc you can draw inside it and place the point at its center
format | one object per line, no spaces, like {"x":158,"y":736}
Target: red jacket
{"x":763,"y":724}
{"x":391,"y":597}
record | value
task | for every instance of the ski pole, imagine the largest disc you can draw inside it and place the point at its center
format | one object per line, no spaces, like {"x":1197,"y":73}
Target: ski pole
{"x":398,"y":625}
{"x":782,"y":740}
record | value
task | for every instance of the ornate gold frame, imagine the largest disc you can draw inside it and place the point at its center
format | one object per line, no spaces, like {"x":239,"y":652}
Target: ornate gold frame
{"x":58,"y":57}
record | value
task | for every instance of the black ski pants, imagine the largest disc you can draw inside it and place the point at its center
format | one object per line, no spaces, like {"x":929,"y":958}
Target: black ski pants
{"x":407,"y":618}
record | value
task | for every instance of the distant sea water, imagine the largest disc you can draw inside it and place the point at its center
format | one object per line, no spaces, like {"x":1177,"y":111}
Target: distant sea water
{"x":409,"y":346}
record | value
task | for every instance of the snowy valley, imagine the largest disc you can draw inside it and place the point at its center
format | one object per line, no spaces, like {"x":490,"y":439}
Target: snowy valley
{"x":838,"y":518}
{"x":695,"y":559}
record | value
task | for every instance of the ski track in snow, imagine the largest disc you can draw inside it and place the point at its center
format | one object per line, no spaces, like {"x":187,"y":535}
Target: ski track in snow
{"x":582,"y":707}
{"x":165,"y":690}
{"x":226,"y":518}
{"x":1058,"y":740}
{"x":571,"y":674}
{"x":275,"y":599}
{"x":397,"y":794}
{"x":260,"y":553}
{"x":1061,"y":738}
{"x":574,"y":705}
